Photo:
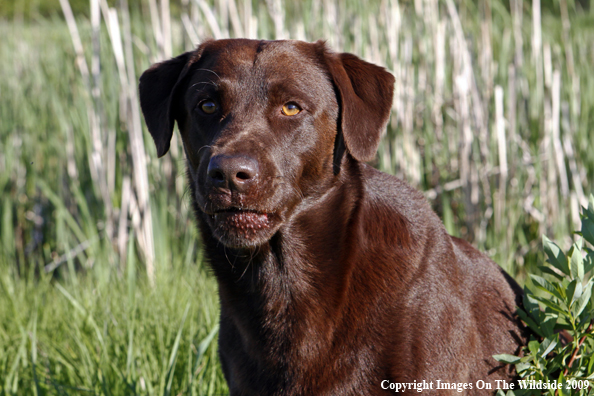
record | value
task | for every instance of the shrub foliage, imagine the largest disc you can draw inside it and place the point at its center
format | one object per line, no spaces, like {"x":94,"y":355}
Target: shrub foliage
{"x":559,"y":359}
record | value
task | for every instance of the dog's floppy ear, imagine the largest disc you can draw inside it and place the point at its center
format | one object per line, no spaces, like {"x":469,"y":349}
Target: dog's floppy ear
{"x":365,"y":97}
{"x":157,"y":88}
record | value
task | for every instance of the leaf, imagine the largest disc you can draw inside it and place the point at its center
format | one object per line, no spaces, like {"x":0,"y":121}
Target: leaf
{"x":579,"y":289}
{"x":574,"y":291}
{"x":547,"y":345}
{"x":555,"y":363}
{"x":555,"y":255}
{"x":533,"y":347}
{"x":548,"y":326}
{"x":585,"y":320}
{"x":528,"y":320}
{"x":521,"y":367}
{"x":562,"y":381}
{"x":507,"y":359}
{"x":584,"y":299}
{"x":546,"y":286}
{"x":588,"y":261}
{"x":590,"y":366}
{"x":530,"y":305}
{"x":587,"y":230}
{"x":555,"y":307}
{"x":577,"y":262}
{"x":548,"y":270}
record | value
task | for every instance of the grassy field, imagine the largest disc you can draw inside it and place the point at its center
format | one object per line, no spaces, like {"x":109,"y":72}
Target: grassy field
{"x":102,"y":285}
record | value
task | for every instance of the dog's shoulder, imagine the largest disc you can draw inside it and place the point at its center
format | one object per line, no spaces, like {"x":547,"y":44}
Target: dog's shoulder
{"x":397,"y":213}
{"x":391,"y":200}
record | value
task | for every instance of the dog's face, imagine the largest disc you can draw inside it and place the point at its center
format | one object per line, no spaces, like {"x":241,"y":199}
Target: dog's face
{"x":259,"y":127}
{"x":265,"y":125}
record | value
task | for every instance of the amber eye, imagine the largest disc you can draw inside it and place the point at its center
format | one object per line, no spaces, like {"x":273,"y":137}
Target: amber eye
{"x":208,"y":106}
{"x":291,"y":109}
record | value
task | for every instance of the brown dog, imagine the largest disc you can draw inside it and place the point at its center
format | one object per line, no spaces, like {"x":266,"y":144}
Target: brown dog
{"x":334,"y":278}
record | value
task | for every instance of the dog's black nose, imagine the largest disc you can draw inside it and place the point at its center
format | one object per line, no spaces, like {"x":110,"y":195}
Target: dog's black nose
{"x":233,"y":172}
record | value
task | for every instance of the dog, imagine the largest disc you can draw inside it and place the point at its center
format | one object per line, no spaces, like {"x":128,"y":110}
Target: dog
{"x":334,"y":278}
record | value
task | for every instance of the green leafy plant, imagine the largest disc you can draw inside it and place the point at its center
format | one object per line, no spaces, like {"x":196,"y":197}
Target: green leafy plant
{"x":560,"y":360}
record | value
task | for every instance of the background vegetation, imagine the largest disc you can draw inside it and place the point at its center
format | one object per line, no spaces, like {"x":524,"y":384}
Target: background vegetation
{"x":102,"y":286}
{"x":561,"y":317}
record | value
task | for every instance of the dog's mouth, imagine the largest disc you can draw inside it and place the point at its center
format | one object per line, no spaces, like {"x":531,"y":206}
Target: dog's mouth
{"x":241,"y":220}
{"x":242,"y":228}
{"x":248,"y":221}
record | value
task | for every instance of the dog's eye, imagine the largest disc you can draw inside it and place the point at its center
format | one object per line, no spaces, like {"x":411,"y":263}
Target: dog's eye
{"x":208,"y":106}
{"x":291,"y":109}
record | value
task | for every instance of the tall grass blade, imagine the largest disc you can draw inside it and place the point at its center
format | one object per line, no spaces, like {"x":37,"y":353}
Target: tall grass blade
{"x":83,"y":312}
{"x":173,"y":356}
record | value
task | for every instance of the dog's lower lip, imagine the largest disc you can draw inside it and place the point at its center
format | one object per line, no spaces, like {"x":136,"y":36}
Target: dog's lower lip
{"x":242,"y":219}
{"x":237,"y":210}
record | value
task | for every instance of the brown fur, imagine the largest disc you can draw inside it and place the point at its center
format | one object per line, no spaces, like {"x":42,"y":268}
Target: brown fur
{"x":333,"y":276}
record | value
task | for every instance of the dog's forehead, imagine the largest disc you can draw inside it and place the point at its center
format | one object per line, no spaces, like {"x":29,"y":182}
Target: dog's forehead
{"x":272,"y":60}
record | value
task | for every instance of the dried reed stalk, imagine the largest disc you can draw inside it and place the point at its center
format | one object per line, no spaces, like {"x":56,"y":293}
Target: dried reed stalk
{"x":463,"y":80}
{"x":277,"y":13}
{"x":210,"y":19}
{"x":123,"y":234}
{"x":235,"y":20}
{"x":502,"y":151}
{"x":189,"y":27}
{"x":93,"y":103}
{"x":157,"y":29}
{"x":537,"y":55}
{"x":517,"y":11}
{"x":137,"y":150}
{"x":555,"y":130}
{"x":166,"y":26}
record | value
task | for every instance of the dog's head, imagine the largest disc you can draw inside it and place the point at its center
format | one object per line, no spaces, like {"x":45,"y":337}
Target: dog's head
{"x":265,"y":126}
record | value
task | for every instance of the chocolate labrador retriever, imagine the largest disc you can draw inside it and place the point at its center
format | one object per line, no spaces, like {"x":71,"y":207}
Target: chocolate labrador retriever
{"x":334,"y":278}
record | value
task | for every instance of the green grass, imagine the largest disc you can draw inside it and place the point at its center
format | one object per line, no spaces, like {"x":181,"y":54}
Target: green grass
{"x":93,"y":325}
{"x":78,"y":314}
{"x":104,"y":333}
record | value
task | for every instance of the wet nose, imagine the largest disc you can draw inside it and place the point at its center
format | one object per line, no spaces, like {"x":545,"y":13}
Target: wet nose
{"x":232,"y":172}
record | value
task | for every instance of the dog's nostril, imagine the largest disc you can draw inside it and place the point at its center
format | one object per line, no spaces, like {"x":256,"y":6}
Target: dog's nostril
{"x":243,"y":176}
{"x":217,"y":175}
